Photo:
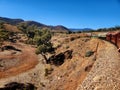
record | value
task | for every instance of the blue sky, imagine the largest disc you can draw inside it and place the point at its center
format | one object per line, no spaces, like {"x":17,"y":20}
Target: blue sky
{"x":70,"y":13}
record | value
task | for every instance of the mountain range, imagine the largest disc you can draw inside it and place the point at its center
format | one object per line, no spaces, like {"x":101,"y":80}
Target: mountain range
{"x":58,"y":28}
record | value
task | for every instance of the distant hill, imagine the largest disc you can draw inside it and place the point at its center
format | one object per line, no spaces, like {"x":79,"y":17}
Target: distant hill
{"x":58,"y":28}
{"x":29,"y":23}
{"x":11,"y":21}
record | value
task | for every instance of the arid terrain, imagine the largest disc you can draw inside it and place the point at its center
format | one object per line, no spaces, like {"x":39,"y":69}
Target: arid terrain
{"x":99,"y":71}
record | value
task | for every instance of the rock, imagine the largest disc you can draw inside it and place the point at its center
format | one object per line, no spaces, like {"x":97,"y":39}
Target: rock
{"x":88,"y":68}
{"x":98,"y":88}
{"x":68,"y":54}
{"x":60,"y":58}
{"x":97,"y":78}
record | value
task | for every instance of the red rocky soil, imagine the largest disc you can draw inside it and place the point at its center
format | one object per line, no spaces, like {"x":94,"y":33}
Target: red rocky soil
{"x":15,"y":62}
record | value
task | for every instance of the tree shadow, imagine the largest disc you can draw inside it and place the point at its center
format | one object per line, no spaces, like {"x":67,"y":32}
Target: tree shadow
{"x":10,"y":48}
{"x":59,"y":59}
{"x":18,"y":86}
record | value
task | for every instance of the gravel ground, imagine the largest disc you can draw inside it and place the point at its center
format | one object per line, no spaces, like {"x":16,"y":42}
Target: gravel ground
{"x":105,"y":74}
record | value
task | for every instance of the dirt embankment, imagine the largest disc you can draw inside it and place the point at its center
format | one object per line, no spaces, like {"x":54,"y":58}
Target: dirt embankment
{"x":105,"y":74}
{"x":97,"y":72}
{"x":71,"y":74}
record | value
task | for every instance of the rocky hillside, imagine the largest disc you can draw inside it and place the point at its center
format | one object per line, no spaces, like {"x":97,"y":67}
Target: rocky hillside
{"x":15,"y":22}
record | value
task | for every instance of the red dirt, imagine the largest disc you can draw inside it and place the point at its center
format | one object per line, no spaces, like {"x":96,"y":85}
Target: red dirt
{"x":28,"y":60}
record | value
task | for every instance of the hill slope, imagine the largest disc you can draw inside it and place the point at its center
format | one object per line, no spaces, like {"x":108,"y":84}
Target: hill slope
{"x":11,"y":21}
{"x":58,"y":28}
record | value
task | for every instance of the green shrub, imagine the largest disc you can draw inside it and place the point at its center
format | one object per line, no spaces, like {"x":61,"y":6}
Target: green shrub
{"x":40,"y":49}
{"x":4,"y":35}
{"x":29,"y":41}
{"x":67,"y":47}
{"x":89,"y":53}
{"x":48,"y":70}
{"x":44,"y":48}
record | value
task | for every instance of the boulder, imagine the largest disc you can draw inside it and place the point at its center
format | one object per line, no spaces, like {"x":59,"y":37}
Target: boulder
{"x":60,"y":58}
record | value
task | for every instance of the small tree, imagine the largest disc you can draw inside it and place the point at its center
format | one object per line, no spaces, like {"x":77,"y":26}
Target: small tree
{"x":4,"y":35}
{"x":22,"y":27}
{"x":38,"y":37}
{"x":1,"y":25}
{"x":42,"y":39}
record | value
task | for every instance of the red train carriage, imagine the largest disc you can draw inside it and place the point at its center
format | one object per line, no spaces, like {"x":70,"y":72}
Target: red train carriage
{"x":114,"y":37}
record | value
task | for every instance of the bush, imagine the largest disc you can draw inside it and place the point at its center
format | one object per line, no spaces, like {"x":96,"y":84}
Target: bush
{"x":48,"y":70}
{"x":89,"y":53}
{"x":40,"y":49}
{"x":30,"y":41}
{"x":4,"y":35}
{"x":67,"y":47}
{"x":72,"y":38}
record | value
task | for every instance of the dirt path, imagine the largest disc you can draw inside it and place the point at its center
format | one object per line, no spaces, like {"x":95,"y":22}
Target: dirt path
{"x":27,"y":60}
{"x":105,"y":74}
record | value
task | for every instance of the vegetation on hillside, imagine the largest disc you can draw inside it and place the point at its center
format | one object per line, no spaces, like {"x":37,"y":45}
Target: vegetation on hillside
{"x":109,"y":29}
{"x":100,"y":30}
{"x":89,"y":53}
{"x":39,"y":37}
{"x":5,"y":35}
{"x":36,"y":36}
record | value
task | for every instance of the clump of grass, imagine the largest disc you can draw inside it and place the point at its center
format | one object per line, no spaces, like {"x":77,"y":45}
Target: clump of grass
{"x":48,"y":70}
{"x":89,"y":53}
{"x":43,"y":85}
{"x":67,"y":47}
